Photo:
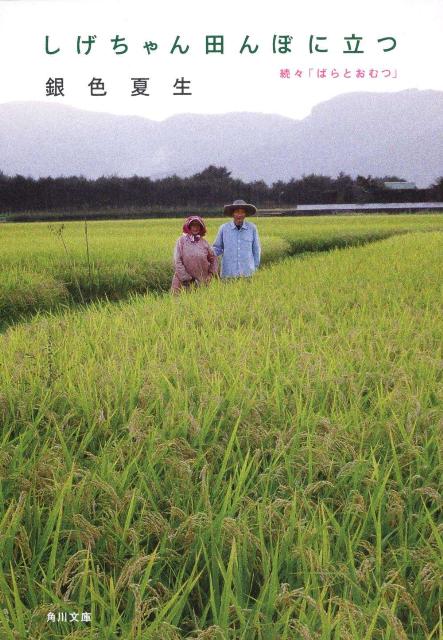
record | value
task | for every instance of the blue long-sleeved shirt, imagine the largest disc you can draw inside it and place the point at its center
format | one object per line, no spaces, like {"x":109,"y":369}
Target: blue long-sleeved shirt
{"x":240,"y":249}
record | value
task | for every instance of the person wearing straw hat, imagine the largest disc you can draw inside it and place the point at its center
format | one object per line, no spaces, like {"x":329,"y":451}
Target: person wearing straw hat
{"x":194,"y":259}
{"x":238,"y":242}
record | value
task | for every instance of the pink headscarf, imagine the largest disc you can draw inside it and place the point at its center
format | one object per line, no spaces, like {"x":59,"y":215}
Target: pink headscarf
{"x":187,"y":230}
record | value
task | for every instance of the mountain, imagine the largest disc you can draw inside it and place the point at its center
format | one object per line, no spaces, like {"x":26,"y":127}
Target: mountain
{"x":358,"y":133}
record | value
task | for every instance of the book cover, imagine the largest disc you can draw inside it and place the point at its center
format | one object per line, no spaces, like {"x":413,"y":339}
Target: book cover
{"x":259,"y":455}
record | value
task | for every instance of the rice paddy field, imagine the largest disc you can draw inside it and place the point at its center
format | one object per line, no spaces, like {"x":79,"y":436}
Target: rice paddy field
{"x":254,"y":460}
{"x":48,"y":266}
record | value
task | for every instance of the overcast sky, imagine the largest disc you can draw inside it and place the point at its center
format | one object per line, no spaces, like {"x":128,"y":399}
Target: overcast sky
{"x":219,"y":82}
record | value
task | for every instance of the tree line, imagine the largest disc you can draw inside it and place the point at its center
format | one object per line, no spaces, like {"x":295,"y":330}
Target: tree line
{"x":209,"y":189}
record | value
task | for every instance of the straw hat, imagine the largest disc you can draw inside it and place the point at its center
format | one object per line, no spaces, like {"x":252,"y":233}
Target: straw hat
{"x":229,"y":209}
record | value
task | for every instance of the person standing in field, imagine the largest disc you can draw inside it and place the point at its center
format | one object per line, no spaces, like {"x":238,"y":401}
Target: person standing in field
{"x":194,"y":259}
{"x":238,"y":241}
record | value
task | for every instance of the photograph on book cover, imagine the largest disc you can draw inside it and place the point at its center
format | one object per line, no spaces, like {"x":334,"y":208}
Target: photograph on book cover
{"x":221,"y":348}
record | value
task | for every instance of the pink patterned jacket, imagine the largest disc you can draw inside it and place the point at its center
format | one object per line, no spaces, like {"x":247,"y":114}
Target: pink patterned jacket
{"x":194,"y":262}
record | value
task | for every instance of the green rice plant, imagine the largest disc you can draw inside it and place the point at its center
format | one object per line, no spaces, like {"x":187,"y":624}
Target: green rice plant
{"x":113,"y":259}
{"x":257,"y":459}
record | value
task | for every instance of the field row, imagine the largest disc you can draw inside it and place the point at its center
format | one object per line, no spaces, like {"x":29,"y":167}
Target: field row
{"x":259,"y":460}
{"x":45,"y":266}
